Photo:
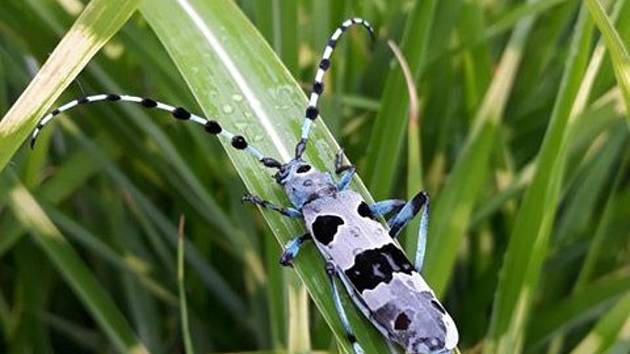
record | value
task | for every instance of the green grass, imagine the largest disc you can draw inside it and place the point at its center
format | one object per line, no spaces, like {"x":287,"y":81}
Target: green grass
{"x":522,"y":142}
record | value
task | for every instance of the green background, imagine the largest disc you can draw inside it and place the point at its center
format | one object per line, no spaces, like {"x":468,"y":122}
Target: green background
{"x":521,"y":139}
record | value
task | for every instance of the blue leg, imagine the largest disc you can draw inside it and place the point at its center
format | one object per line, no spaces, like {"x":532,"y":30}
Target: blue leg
{"x":346,"y":178}
{"x":408,"y":212}
{"x":332,"y":272}
{"x":361,"y":305}
{"x":292,"y":249}
{"x":385,"y":207}
{"x":290,"y":212}
{"x":347,"y":171}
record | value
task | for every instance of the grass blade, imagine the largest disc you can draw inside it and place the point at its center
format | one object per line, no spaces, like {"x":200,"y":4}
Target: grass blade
{"x":389,"y":127}
{"x":298,"y":336}
{"x":618,"y":52}
{"x":211,"y":278}
{"x":129,"y":263}
{"x":610,"y":335}
{"x":98,"y":22}
{"x":70,"y":176}
{"x":277,"y":21}
{"x":454,"y":204}
{"x":601,"y":232}
{"x":70,"y":265}
{"x":181,"y":286}
{"x":530,"y":234}
{"x":414,"y":154}
{"x":578,"y":308}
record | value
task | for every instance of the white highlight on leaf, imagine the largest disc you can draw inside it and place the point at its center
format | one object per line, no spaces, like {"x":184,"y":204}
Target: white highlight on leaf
{"x":241,"y":82}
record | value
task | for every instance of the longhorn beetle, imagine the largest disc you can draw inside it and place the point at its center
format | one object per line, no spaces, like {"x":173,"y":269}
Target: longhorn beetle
{"x":357,"y":248}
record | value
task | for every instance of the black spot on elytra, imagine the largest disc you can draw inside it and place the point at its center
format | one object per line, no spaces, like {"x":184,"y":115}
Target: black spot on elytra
{"x":83,"y":100}
{"x":55,"y":112}
{"x":402,"y":322}
{"x":325,"y":227}
{"x":113,"y":97}
{"x":364,"y":210}
{"x":374,"y":266}
{"x":438,"y":306}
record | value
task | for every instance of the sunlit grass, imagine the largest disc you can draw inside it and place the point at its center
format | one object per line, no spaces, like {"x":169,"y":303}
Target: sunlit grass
{"x":522,"y":145}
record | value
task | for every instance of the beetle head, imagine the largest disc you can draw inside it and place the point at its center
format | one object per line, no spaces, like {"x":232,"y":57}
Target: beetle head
{"x":303,"y":183}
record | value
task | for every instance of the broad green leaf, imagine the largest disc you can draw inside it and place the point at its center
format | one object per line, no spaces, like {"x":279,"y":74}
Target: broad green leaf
{"x":277,"y":21}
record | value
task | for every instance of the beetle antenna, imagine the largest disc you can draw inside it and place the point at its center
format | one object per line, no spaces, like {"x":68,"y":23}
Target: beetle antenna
{"x":312,"y":110}
{"x":179,"y":113}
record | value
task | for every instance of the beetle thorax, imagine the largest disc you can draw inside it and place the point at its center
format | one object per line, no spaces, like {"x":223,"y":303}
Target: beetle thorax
{"x":302,"y":183}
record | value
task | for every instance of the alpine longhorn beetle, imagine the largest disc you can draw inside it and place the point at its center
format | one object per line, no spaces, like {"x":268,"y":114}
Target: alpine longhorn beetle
{"x":357,"y":248}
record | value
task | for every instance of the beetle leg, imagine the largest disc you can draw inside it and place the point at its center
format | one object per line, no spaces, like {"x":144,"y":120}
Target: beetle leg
{"x":292,"y":248}
{"x":385,"y":207}
{"x":361,"y":305}
{"x":332,"y":272}
{"x":408,"y":212}
{"x":290,"y":212}
{"x":346,"y":171}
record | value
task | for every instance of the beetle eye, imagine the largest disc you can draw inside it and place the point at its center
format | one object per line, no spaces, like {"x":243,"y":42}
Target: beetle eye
{"x":303,"y":169}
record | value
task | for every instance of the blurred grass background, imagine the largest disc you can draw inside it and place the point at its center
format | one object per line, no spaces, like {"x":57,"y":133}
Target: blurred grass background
{"x":522,"y":143}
